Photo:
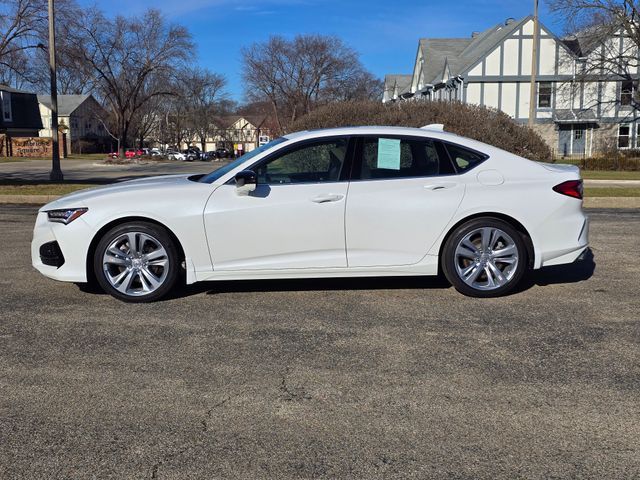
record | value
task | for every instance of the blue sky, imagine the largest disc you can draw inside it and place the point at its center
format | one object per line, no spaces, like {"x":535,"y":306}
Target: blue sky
{"x":385,"y":33}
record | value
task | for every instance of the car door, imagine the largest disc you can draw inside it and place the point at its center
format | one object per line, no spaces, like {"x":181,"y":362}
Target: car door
{"x":403,"y":194}
{"x":295,"y":217}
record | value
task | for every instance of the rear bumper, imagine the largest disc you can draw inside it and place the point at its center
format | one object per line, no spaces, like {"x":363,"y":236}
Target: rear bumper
{"x":571,"y":244}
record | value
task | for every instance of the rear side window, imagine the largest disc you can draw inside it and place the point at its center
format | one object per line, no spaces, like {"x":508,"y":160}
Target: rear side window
{"x":463,"y":158}
{"x":402,"y":158}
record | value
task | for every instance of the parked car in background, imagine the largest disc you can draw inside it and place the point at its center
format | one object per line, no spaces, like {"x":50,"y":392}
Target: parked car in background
{"x":209,"y":156}
{"x":192,"y":154}
{"x":128,"y":153}
{"x":175,"y":155}
{"x":343,"y":202}
{"x":222,"y":152}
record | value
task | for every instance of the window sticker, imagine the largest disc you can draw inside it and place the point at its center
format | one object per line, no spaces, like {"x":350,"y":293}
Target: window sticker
{"x":389,"y":154}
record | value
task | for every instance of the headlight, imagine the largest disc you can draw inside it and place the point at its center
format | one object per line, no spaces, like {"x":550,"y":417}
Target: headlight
{"x":66,"y":215}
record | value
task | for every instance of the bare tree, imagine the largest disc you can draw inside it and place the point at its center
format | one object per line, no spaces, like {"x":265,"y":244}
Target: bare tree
{"x":21,"y":21}
{"x":597,"y":28}
{"x":298,"y":75}
{"x":202,"y":92}
{"x":131,"y":60}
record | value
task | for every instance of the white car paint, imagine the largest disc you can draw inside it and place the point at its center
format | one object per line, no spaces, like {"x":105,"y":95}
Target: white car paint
{"x":358,"y":228}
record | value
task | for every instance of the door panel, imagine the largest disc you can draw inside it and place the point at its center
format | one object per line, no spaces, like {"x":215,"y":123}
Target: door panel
{"x":276,"y":227}
{"x":395,"y":222}
{"x":405,"y":197}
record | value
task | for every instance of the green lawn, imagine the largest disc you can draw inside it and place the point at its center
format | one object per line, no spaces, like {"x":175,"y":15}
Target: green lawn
{"x":612,"y":192}
{"x":610,"y":175}
{"x":43,"y":189}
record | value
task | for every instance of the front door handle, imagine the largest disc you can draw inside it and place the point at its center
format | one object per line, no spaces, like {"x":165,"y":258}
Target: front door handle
{"x":327,"y":198}
{"x":440,"y":186}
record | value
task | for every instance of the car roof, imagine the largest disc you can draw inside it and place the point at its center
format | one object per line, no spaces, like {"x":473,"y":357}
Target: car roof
{"x":429,"y":132}
{"x":374,"y":130}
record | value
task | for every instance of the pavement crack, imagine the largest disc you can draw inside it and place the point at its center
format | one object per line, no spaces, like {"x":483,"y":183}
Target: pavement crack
{"x":209,"y":414}
{"x":167,"y":457}
{"x":292,"y":393}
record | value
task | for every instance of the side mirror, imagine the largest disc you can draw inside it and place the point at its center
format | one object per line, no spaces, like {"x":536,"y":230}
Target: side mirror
{"x":246,"y":182}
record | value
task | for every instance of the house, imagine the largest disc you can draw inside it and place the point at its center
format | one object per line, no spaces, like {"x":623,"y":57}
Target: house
{"x":82,"y":116}
{"x":235,"y":132}
{"x":19,"y":117}
{"x":576,"y":115}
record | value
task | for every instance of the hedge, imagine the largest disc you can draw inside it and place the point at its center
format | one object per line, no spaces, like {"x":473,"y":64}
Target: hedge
{"x":480,"y":123}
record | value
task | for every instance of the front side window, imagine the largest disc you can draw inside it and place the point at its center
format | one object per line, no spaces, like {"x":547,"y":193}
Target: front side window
{"x":624,"y":136}
{"x":315,"y":162}
{"x":385,"y":158}
{"x":545,"y":91}
{"x":626,"y":93}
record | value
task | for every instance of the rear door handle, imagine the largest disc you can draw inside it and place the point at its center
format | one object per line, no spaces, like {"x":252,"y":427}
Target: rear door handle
{"x":327,"y":198}
{"x":440,"y":186}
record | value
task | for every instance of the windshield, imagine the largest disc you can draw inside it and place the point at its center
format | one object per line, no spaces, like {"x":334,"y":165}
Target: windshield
{"x":216,"y":174}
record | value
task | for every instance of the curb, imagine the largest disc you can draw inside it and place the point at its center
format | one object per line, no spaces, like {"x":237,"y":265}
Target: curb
{"x":589,"y":202}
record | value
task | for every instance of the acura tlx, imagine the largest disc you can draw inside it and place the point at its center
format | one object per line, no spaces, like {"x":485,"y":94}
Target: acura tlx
{"x":345,"y":202}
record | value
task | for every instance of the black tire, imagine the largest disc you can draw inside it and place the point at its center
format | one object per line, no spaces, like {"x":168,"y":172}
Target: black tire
{"x":454,"y":265}
{"x":151,"y":238}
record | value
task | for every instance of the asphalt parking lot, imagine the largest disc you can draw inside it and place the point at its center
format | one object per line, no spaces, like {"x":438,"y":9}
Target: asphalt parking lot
{"x":325,"y":379}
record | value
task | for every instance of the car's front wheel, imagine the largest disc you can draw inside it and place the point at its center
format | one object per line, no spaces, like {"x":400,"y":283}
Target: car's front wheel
{"x":136,"y":262}
{"x":485,"y":257}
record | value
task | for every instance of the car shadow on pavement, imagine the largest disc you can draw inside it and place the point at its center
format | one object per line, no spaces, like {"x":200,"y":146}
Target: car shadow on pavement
{"x":578,"y":271}
{"x":319,"y":284}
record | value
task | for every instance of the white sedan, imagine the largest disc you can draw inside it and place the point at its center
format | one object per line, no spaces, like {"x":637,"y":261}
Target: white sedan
{"x":347,"y":202}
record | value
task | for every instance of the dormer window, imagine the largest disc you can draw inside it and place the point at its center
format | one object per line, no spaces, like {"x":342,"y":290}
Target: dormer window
{"x":7,"y":114}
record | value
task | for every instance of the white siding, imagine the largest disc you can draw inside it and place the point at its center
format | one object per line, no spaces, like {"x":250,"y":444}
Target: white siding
{"x":547,"y":56}
{"x":511,"y":56}
{"x":509,"y":98}
{"x":527,"y":28}
{"x":477,"y":70}
{"x":525,"y":90}
{"x":473,"y":93}
{"x":608,"y":97}
{"x":491,"y":95}
{"x":563,"y":95}
{"x":527,"y":45}
{"x":565,"y":63}
{"x":493,"y":63}
{"x":591,"y":95}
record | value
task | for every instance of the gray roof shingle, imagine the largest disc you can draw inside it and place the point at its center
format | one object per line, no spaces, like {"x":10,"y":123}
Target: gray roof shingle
{"x":67,"y":104}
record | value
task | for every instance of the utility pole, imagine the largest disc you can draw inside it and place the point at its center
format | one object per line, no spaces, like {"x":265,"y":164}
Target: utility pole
{"x":56,"y":172}
{"x":534,"y":64}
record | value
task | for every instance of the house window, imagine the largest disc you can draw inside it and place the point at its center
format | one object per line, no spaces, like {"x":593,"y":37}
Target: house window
{"x":624,"y":136}
{"x":626,"y":93}
{"x":545,"y":90}
{"x":7,"y":114}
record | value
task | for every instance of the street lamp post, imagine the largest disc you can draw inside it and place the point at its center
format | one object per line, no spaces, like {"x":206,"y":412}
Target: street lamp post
{"x":56,"y":172}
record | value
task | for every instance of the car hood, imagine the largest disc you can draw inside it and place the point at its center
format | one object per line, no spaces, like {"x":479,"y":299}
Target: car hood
{"x":81,"y":197}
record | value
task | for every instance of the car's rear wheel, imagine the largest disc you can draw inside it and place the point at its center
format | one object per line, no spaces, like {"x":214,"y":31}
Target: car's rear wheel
{"x":136,"y":262}
{"x":485,"y":257}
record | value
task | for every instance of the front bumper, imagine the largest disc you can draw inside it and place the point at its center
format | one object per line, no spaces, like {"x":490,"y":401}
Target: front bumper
{"x":69,"y":263}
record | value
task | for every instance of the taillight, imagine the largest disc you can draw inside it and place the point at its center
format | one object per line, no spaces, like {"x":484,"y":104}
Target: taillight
{"x":571,"y":188}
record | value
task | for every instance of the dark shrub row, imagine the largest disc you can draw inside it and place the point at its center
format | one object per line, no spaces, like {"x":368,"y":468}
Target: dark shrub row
{"x":480,"y":123}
